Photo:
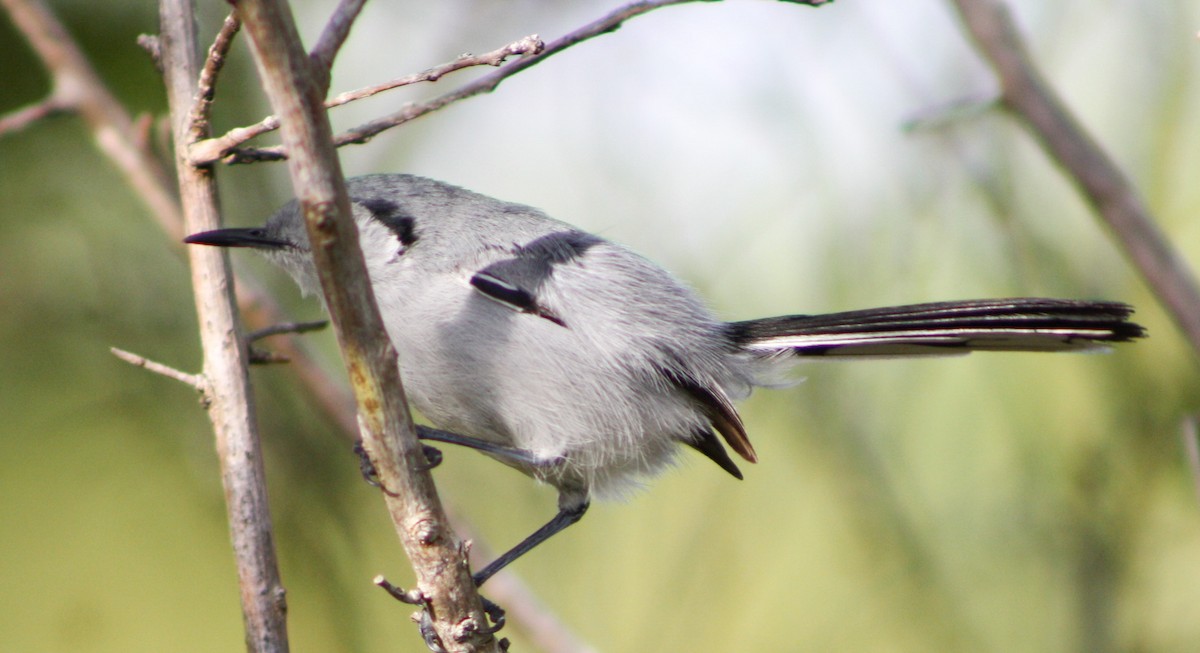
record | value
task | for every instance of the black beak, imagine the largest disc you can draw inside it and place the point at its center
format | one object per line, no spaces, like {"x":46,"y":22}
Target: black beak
{"x":255,"y":237}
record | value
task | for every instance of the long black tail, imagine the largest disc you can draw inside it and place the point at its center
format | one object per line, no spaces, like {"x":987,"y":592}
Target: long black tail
{"x":941,"y":328}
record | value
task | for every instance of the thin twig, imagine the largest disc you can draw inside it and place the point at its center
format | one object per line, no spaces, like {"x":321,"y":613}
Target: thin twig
{"x":213,"y":149}
{"x":331,"y":40}
{"x":199,"y":115}
{"x":286,"y":327}
{"x":411,"y":597}
{"x":1116,"y":202}
{"x":261,"y":357}
{"x":196,"y":381}
{"x":152,"y":47}
{"x":15,"y":121}
{"x":486,"y":84}
{"x":527,"y":46}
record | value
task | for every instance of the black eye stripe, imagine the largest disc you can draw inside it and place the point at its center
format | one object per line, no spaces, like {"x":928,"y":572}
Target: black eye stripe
{"x":405,"y":228}
{"x":393,"y":216}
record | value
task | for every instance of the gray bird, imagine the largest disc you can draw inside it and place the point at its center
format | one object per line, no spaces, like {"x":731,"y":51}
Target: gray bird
{"x":585,"y":365}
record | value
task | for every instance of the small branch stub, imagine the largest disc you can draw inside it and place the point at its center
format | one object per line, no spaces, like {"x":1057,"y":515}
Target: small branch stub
{"x":196,"y":381}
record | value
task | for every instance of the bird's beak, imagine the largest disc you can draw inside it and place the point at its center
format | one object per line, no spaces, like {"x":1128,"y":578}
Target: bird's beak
{"x":254,"y":237}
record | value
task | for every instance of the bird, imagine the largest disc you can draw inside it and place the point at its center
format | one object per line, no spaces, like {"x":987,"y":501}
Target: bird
{"x":585,"y":365}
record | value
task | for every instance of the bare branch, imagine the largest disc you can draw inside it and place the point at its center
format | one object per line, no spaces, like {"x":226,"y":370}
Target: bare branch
{"x":286,"y":327}
{"x":1089,"y":167}
{"x":387,"y":431}
{"x":528,"y":46}
{"x":225,"y":357}
{"x":77,"y":87}
{"x":486,"y":84}
{"x":411,"y":597}
{"x":213,"y":149}
{"x":149,"y":43}
{"x":260,"y":357}
{"x":196,"y":381}
{"x":331,"y":40}
{"x":21,"y":118}
{"x":198,"y":117}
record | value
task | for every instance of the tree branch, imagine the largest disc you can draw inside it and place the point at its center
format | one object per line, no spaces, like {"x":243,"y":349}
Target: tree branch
{"x":196,"y":381}
{"x":438,"y":557}
{"x":214,"y":149}
{"x":1103,"y":185}
{"x":206,"y":88}
{"x":486,"y":84}
{"x":231,"y":407}
{"x":77,"y":87}
{"x":331,"y":40}
{"x":19,"y":119}
{"x":527,"y":46}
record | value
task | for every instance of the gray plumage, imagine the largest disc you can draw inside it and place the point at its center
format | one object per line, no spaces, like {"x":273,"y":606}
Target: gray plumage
{"x":593,"y":384}
{"x":521,"y":330}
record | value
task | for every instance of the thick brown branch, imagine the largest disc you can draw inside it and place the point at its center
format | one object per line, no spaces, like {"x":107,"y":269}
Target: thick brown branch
{"x":1027,"y":94}
{"x":387,"y":432}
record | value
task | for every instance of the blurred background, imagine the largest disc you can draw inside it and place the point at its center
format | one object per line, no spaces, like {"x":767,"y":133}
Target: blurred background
{"x":781,"y":159}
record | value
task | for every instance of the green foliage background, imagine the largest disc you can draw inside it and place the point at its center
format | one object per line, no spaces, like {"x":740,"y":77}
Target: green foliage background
{"x":1023,"y":502}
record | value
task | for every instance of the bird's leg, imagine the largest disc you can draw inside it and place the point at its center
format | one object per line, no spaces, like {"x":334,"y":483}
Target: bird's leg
{"x":520,"y":457}
{"x":567,"y":515}
{"x":571,"y":509}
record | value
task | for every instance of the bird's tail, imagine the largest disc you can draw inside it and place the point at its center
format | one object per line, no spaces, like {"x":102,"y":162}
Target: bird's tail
{"x":943,"y":328}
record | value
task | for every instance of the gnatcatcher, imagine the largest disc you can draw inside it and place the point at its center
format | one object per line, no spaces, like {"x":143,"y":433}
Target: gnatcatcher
{"x":585,"y":365}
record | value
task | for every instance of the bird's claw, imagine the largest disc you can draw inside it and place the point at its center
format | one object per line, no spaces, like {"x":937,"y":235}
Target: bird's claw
{"x":433,"y":458}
